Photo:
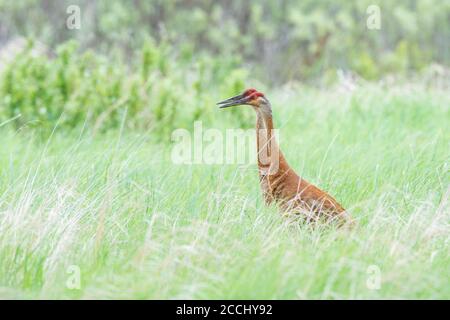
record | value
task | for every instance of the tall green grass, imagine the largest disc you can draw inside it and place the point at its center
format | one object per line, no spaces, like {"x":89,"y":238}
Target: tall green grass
{"x":138,"y":226}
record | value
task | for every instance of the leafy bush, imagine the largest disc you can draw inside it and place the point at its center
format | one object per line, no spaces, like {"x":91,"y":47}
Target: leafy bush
{"x":281,"y":40}
{"x":157,"y":91}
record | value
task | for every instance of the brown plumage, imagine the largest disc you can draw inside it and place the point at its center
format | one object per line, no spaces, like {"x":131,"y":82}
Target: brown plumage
{"x":279,"y":183}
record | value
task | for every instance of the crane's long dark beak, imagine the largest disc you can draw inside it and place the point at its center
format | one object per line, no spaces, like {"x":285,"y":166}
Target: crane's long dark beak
{"x":233,"y":101}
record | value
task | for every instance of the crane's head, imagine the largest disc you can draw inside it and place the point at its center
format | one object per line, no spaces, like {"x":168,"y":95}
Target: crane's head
{"x":250,"y":97}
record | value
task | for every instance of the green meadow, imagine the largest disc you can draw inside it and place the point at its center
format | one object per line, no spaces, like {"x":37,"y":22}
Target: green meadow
{"x":110,"y":215}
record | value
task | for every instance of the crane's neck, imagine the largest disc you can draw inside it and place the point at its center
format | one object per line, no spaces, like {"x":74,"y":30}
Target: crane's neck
{"x":270,"y":159}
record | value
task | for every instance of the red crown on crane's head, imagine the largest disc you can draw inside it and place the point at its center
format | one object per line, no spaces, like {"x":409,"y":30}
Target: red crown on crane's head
{"x":247,"y":97}
{"x":249,"y":92}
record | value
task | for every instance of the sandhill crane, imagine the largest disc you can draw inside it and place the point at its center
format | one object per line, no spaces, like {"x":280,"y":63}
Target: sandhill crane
{"x":279,"y":183}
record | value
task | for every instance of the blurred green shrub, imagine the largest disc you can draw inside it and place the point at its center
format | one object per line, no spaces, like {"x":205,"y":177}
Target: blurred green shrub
{"x":157,"y":91}
{"x":279,"y":40}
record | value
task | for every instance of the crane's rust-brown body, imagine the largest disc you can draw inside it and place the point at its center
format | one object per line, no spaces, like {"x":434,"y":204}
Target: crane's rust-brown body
{"x":279,"y":182}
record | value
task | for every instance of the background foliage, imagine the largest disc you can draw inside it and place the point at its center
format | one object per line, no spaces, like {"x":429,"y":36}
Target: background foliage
{"x":281,"y":40}
{"x":74,"y":89}
{"x":164,"y":63}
